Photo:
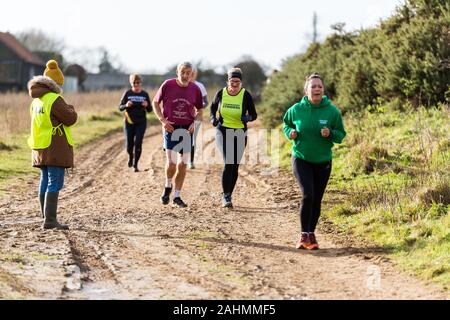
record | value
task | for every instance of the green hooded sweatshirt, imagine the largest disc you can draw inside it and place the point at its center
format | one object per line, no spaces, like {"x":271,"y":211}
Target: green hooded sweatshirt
{"x":308,"y":119}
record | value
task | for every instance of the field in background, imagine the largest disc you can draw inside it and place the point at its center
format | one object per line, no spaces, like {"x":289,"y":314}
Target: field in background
{"x":15,"y":113}
{"x":390,"y":185}
{"x":98,"y":115}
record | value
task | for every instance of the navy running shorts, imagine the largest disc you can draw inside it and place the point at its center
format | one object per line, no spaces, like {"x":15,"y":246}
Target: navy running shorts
{"x":180,"y":140}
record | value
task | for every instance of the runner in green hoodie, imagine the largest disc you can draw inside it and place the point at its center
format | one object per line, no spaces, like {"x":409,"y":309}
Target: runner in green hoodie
{"x":314,"y":124}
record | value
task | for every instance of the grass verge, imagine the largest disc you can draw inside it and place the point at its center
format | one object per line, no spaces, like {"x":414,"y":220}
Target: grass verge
{"x":389,"y":186}
{"x":15,"y":154}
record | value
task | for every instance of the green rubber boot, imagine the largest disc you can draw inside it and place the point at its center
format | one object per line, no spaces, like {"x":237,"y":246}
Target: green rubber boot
{"x":42,"y":201}
{"x":50,"y":207}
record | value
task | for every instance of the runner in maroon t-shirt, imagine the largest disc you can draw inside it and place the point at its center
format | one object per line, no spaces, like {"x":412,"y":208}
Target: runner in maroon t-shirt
{"x":177,"y":104}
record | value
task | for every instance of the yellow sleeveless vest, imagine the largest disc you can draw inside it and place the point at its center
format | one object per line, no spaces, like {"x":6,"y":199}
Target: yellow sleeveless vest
{"x":231,"y":109}
{"x":42,"y":129}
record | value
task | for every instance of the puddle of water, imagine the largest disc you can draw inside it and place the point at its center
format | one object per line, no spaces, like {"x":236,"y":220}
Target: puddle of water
{"x":97,"y":291}
{"x":111,"y":291}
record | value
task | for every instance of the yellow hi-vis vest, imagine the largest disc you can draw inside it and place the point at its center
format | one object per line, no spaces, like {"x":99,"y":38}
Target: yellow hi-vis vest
{"x":231,"y":109}
{"x":42,"y":129}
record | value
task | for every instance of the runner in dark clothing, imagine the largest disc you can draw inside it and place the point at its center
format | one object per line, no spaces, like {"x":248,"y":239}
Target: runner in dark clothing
{"x":235,"y":107}
{"x":135,"y":102}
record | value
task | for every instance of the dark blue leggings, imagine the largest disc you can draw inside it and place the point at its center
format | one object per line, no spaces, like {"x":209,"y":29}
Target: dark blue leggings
{"x":135,"y":136}
{"x":313,"y":179}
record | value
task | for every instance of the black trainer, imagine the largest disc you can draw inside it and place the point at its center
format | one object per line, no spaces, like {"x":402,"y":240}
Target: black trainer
{"x":165,"y":196}
{"x":226,"y":201}
{"x":177,"y":201}
{"x":130,"y":161}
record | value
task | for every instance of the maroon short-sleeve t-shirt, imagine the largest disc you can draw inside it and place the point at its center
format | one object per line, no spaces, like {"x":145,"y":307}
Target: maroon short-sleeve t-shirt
{"x":179,"y":103}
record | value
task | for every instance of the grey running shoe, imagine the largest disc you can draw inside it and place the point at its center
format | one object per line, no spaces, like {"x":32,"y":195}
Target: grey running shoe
{"x":226,"y":201}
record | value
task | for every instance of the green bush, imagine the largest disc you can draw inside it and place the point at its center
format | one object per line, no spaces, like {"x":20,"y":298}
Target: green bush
{"x":402,"y":63}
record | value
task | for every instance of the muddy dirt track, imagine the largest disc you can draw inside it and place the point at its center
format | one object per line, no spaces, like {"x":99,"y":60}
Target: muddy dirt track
{"x":124,"y":244}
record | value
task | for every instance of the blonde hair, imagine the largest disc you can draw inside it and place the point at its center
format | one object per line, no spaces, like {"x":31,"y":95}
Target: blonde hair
{"x":135,"y":77}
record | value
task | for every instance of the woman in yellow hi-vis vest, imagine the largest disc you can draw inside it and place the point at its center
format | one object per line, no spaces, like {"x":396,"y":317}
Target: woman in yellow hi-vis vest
{"x":235,"y":107}
{"x":50,"y":139}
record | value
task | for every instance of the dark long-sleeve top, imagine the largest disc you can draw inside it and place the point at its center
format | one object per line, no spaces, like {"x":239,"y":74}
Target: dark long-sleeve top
{"x":248,"y":107}
{"x":136,"y":112}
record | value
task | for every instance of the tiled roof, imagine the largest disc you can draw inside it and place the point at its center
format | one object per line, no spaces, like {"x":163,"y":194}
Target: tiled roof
{"x":11,"y":42}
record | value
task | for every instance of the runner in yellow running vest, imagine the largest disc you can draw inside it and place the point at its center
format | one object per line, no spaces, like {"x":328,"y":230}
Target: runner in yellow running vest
{"x":235,"y":107}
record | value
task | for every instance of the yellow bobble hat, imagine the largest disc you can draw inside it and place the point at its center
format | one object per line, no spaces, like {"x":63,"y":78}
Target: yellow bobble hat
{"x":54,"y":72}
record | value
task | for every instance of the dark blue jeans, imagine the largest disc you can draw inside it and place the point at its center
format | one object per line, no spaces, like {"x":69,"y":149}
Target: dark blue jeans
{"x":135,"y":135}
{"x":52,"y":179}
{"x":313,"y":179}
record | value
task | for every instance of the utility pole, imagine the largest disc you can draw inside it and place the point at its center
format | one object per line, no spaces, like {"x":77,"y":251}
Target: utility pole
{"x":315,"y":35}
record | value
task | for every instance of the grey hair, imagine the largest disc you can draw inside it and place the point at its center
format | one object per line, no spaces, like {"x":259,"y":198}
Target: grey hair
{"x":314,"y":75}
{"x":185,"y":64}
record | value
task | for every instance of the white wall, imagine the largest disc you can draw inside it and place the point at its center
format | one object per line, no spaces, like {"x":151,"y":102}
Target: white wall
{"x":70,"y":84}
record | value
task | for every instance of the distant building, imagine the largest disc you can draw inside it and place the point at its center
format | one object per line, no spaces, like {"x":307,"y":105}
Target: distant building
{"x":109,"y":78}
{"x":114,"y":81}
{"x":79,"y":73}
{"x":70,"y":84}
{"x":17,"y":64}
{"x":106,"y":81}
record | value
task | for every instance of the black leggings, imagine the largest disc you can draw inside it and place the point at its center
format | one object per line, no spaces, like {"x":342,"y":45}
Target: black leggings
{"x":228,"y":140}
{"x":313,"y":179}
{"x":135,"y":136}
{"x":192,"y":153}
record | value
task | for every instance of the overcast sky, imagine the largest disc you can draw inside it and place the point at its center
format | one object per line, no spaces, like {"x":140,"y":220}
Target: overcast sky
{"x":154,"y":35}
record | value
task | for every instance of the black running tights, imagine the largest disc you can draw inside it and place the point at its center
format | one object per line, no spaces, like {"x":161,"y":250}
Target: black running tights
{"x":231,"y":143}
{"x":313,"y":179}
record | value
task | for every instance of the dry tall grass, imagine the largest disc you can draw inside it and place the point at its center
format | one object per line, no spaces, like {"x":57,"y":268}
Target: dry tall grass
{"x":14,"y":113}
{"x":15,"y":116}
